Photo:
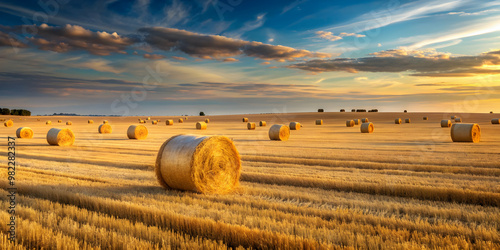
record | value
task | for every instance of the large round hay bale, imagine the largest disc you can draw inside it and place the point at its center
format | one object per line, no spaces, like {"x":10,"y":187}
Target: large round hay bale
{"x":349,"y":123}
{"x":138,"y":132}
{"x":319,"y":122}
{"x":60,"y":137}
{"x":201,"y":125}
{"x":367,"y":127}
{"x":154,"y":122}
{"x":295,"y":125}
{"x":364,"y":120}
{"x":245,"y":119}
{"x":169,"y":122}
{"x":357,"y":121}
{"x":397,"y":121}
{"x":69,"y":123}
{"x":207,"y":120}
{"x":90,"y":122}
{"x":262,"y":123}
{"x":445,"y":123}
{"x":425,"y":118}
{"x":465,"y":133}
{"x":458,"y":119}
{"x":180,"y":120}
{"x":279,"y":132}
{"x":495,"y":121}
{"x":105,"y":122}
{"x":208,"y":164}
{"x":251,"y":125}
{"x":48,"y":122}
{"x":407,"y":120}
{"x":105,"y":129}
{"x":8,"y":123}
{"x":24,"y":132}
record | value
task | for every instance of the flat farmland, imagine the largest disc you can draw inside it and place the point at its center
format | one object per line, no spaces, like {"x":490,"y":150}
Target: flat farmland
{"x":330,"y":186}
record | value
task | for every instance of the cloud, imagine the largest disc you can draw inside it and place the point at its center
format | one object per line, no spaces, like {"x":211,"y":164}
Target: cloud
{"x":213,"y":46}
{"x":331,"y":37}
{"x":351,"y":34}
{"x":292,"y":5}
{"x":7,"y":40}
{"x":74,"y":37}
{"x":179,"y":58}
{"x":153,"y":56}
{"x":249,"y":26}
{"x":230,"y":60}
{"x":175,"y":13}
{"x":418,"y":63}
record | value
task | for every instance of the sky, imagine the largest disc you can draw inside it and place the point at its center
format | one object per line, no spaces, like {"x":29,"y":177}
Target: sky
{"x":173,"y":57}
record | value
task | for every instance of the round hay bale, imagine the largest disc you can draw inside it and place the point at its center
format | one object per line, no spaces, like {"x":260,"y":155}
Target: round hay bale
{"x":69,"y":123}
{"x":38,"y":119}
{"x":207,"y":120}
{"x":357,"y":121}
{"x":453,"y":117}
{"x":262,"y":123}
{"x":279,"y":132}
{"x":245,"y":119}
{"x":60,"y":137}
{"x":105,"y":129}
{"x":138,"y":132}
{"x":364,"y":120}
{"x":251,"y":125}
{"x":495,"y":121}
{"x":149,"y":118}
{"x":24,"y":132}
{"x":397,"y":121}
{"x":465,"y":133}
{"x":445,"y":123}
{"x":185,"y":118}
{"x":458,"y":119}
{"x":105,"y":122}
{"x":59,"y":121}
{"x":407,"y":120}
{"x":8,"y":123}
{"x":295,"y":126}
{"x":208,"y":164}
{"x":425,"y":118}
{"x":201,"y":126}
{"x":48,"y":122}
{"x":319,"y":122}
{"x":154,"y":122}
{"x":169,"y":122}
{"x":367,"y":127}
{"x":180,"y":120}
{"x":90,"y":122}
{"x":349,"y":123}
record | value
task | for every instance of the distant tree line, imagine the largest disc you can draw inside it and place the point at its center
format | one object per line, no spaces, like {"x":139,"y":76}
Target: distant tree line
{"x":23,"y":112}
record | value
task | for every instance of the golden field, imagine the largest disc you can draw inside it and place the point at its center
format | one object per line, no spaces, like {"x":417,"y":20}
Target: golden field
{"x":405,"y":186}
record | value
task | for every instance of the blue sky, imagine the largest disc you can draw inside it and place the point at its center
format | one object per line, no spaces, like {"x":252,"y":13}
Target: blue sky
{"x":240,"y":56}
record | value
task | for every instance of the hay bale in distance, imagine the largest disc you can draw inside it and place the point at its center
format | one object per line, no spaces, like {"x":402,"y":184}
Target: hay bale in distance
{"x":208,"y":164}
{"x":251,"y":125}
{"x":349,"y":123}
{"x":105,"y":129}
{"x":262,"y":123}
{"x":24,"y":132}
{"x":453,"y":117}
{"x":367,"y":127}
{"x":458,"y":119}
{"x":169,"y":122}
{"x":397,"y":121}
{"x":59,"y":121}
{"x":279,"y":132}
{"x":8,"y":123}
{"x":154,"y":122}
{"x":445,"y":123}
{"x":295,"y":126}
{"x":201,"y":125}
{"x":138,"y":132}
{"x":495,"y":121}
{"x":48,"y":122}
{"x":90,"y":121}
{"x":69,"y":123}
{"x":425,"y":118}
{"x":407,"y":120}
{"x":465,"y":133}
{"x":319,"y":122}
{"x":357,"y":121}
{"x":105,"y":122}
{"x":207,"y":120}
{"x":245,"y":119}
{"x":364,"y":120}
{"x":180,"y":120}
{"x":60,"y":137}
{"x":149,"y":118}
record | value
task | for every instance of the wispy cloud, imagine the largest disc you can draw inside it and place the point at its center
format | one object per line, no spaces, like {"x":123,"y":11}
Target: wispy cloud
{"x":293,"y":5}
{"x":248,"y":26}
{"x":331,"y":37}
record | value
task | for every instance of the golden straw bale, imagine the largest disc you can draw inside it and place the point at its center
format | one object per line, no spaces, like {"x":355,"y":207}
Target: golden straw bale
{"x":295,"y":125}
{"x":154,"y":122}
{"x":207,"y":120}
{"x":59,"y":121}
{"x":8,"y":123}
{"x":397,"y":121}
{"x":495,"y":121}
{"x":251,"y":125}
{"x":367,"y":127}
{"x":349,"y":123}
{"x":208,"y":164}
{"x":138,"y":132}
{"x":279,"y":132}
{"x":48,"y":122}
{"x":319,"y":122}
{"x":105,"y":129}
{"x":149,"y":118}
{"x":201,"y":125}
{"x":453,"y":117}
{"x":465,"y":132}
{"x":105,"y":122}
{"x":426,"y":118}
{"x":24,"y":132}
{"x":90,"y":121}
{"x":407,"y":120}
{"x":169,"y":122}
{"x":364,"y":120}
{"x":262,"y":123}
{"x":445,"y":123}
{"x":357,"y":121}
{"x":69,"y":123}
{"x":60,"y":137}
{"x":245,"y":119}
{"x":180,"y":120}
{"x":458,"y":119}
